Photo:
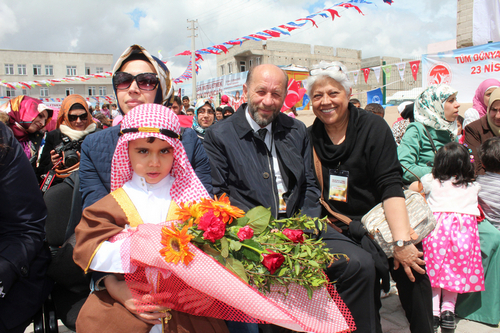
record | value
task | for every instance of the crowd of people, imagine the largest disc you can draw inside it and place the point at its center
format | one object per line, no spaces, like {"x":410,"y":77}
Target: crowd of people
{"x":137,"y":160}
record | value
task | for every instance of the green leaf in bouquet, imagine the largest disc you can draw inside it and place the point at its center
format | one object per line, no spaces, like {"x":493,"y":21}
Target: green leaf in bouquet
{"x":241,"y":222}
{"x":313,"y":263}
{"x":259,"y":218}
{"x":237,"y":268}
{"x":308,"y":249}
{"x":224,"y":247}
{"x":210,"y":250}
{"x":234,"y":245}
{"x":249,"y":267}
{"x":309,"y":291}
{"x":282,"y":271}
{"x":250,"y":254}
{"x":253,"y":244}
{"x":297,"y":268}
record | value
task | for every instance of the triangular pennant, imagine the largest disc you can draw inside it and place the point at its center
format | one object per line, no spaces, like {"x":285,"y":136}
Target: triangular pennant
{"x":387,"y":70}
{"x":414,"y":68}
{"x":401,"y":69}
{"x":376,"y":70}
{"x":355,"y":76}
{"x":366,"y":72}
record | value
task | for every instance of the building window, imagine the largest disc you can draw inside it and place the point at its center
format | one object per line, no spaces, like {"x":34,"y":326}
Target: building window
{"x":24,"y":92}
{"x":49,"y":70}
{"x":222,"y":70}
{"x":230,"y":68}
{"x":37,"y":69}
{"x":250,"y":62}
{"x":9,"y":69}
{"x":242,"y":66}
{"x":69,"y":91}
{"x":44,"y":92}
{"x":71,"y":70}
{"x":102,"y":91}
{"x":91,"y":91}
{"x":21,"y":69}
{"x":9,"y":92}
{"x":87,"y":70}
{"x":257,"y":60}
{"x":99,"y":70}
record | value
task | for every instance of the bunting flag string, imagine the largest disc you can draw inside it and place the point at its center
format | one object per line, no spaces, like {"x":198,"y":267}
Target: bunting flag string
{"x":387,"y":70}
{"x":276,"y":32}
{"x":401,"y":66}
{"x":52,"y":82}
{"x":401,"y":69}
{"x":376,"y":70}
{"x":414,"y":68}
{"x":366,"y":72}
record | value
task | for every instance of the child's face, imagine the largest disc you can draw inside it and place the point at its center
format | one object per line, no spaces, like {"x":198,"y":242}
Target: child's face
{"x":153,"y":161}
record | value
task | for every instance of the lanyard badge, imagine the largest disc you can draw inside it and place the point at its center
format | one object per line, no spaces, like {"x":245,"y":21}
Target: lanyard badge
{"x":338,"y":185}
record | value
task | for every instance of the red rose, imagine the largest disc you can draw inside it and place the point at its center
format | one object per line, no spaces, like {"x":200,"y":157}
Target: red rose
{"x":272,"y":261}
{"x":245,"y":233}
{"x":295,"y":235}
{"x":213,"y":226}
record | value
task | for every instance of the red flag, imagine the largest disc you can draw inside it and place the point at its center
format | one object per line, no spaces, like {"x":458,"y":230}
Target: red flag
{"x":287,"y":27}
{"x":414,"y":68}
{"x":348,"y":5}
{"x":221,"y":47}
{"x":199,"y":57}
{"x":333,"y":13}
{"x":258,"y":36}
{"x":312,"y":21}
{"x":272,"y":33}
{"x":183,"y":53}
{"x":366,"y":72}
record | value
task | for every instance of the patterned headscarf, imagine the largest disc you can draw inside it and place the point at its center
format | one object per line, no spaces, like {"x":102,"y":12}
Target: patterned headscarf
{"x":67,"y":103}
{"x":478,"y":100}
{"x":166,"y":92}
{"x":186,"y":187}
{"x":429,"y":108}
{"x":22,"y":110}
{"x":199,"y":103}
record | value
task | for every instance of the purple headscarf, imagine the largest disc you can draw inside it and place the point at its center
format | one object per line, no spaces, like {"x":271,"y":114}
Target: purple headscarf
{"x":478,"y":100}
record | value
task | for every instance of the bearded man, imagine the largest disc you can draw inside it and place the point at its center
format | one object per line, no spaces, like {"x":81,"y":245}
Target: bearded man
{"x":260,"y":156}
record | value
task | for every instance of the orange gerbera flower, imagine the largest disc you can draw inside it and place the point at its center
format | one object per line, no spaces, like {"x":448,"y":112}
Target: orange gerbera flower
{"x":188,"y":210}
{"x":222,"y":208}
{"x":176,"y":245}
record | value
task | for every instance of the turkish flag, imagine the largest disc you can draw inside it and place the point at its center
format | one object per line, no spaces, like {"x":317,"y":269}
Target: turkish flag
{"x":414,"y":68}
{"x":366,"y":72}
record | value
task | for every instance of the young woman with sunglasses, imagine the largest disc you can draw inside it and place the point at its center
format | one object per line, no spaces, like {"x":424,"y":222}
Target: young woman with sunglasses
{"x":74,"y":123}
{"x":138,"y":78}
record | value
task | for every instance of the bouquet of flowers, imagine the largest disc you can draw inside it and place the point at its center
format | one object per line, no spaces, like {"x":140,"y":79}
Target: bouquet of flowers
{"x":216,"y":261}
{"x":259,"y":249}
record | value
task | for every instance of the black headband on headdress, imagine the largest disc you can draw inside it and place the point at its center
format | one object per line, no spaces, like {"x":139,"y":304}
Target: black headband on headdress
{"x":164,"y":131}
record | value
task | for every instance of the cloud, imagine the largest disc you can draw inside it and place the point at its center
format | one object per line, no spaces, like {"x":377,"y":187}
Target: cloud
{"x":9,"y":21}
{"x":136,"y":16}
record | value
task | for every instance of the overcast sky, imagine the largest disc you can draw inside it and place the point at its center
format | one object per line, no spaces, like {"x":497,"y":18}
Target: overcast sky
{"x":402,"y":29}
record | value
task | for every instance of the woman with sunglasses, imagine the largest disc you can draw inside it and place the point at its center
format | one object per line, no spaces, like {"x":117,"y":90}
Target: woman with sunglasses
{"x":74,"y":123}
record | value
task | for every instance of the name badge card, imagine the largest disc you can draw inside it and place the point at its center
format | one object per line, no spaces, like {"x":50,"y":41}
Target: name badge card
{"x":338,"y":185}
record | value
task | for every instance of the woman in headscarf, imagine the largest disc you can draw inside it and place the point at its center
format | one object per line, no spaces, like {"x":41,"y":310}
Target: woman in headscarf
{"x":488,"y":126}
{"x":74,"y":123}
{"x":138,"y":78}
{"x":435,"y":112}
{"x":480,"y":101}
{"x":204,"y":116}
{"x":27,"y":117}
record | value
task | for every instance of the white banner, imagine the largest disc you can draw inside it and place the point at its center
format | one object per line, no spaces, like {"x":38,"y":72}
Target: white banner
{"x":401,"y":69}
{"x":486,"y":22}
{"x":463,"y":69}
{"x":355,"y":75}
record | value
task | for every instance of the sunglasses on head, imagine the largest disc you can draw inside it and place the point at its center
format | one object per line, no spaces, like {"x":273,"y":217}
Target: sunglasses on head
{"x":145,"y":81}
{"x":317,"y":71}
{"x":74,"y":117}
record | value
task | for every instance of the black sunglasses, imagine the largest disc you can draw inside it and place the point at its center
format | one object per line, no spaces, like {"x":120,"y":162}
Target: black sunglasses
{"x":145,"y":81}
{"x":74,"y":117}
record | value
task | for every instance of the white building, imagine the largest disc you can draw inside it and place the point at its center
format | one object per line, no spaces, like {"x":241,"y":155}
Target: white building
{"x":22,"y":66}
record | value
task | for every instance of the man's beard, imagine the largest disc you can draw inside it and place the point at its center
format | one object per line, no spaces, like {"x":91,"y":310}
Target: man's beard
{"x":261,"y":121}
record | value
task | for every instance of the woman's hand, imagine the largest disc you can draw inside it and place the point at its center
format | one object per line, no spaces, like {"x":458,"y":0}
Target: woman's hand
{"x":119,"y":290}
{"x":409,"y":257}
{"x":54,"y":158}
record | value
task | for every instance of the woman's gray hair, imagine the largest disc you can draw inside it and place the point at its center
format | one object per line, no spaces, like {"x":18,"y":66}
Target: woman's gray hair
{"x":335,"y":70}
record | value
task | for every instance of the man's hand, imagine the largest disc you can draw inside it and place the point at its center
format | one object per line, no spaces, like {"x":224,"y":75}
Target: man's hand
{"x":409,"y":257}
